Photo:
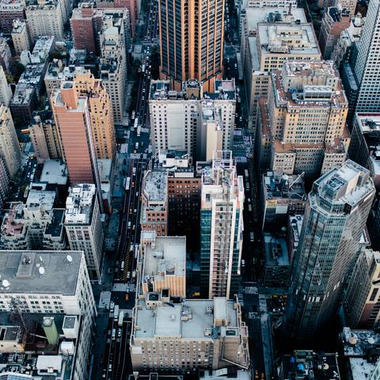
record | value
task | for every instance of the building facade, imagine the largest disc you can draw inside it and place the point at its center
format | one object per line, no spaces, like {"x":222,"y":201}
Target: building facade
{"x":9,"y":144}
{"x":222,"y":203}
{"x":191,"y":40}
{"x":5,"y":89}
{"x":188,"y":336}
{"x":20,"y":36}
{"x":361,"y":304}
{"x":72,"y":119}
{"x":335,"y":217}
{"x":191,"y":120}
{"x":368,"y":59}
{"x":301,"y":128}
{"x":83,"y":226}
{"x":45,"y":20}
{"x":52,"y":283}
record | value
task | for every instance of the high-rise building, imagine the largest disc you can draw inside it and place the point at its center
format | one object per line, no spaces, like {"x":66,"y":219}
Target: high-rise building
{"x":9,"y":144}
{"x":154,"y":205}
{"x":4,"y":183}
{"x":163,"y":264}
{"x":72,"y":119}
{"x":20,"y":36}
{"x":5,"y":89}
{"x":265,"y":47}
{"x":334,"y":21}
{"x":335,"y":217}
{"x":361,"y":303}
{"x":368,"y":62}
{"x":301,"y":128}
{"x":45,"y":19}
{"x":191,"y":120}
{"x":52,"y":283}
{"x":100,"y":111}
{"x":113,"y":63}
{"x":9,"y":11}
{"x":24,"y":225}
{"x":222,"y":203}
{"x":84,"y":227}
{"x":5,"y":54}
{"x":187,"y":336}
{"x":365,"y":139}
{"x":191,"y":41}
{"x":43,"y":135}
{"x":86,"y":23}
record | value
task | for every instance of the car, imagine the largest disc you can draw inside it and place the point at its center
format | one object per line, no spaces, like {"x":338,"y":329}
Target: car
{"x":129,"y":224}
{"x":135,"y":211}
{"x":243,"y":263}
{"x":128,"y":275}
{"x":112,"y":305}
{"x":119,"y":333}
{"x":110,"y":368}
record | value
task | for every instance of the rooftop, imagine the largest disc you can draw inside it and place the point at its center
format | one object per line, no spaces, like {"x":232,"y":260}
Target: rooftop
{"x":346,"y":185}
{"x":55,"y":227}
{"x":79,"y":204}
{"x":360,"y":343}
{"x":254,"y":16}
{"x":282,"y":186}
{"x":276,"y":251}
{"x":54,"y":172}
{"x":192,"y":319}
{"x":23,"y":95}
{"x":13,"y":221}
{"x":165,"y":257}
{"x":284,"y":38}
{"x":156,"y":186}
{"x":304,"y":365}
{"x":39,"y":272}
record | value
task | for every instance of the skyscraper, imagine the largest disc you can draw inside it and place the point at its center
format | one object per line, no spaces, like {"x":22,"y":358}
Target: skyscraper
{"x":335,"y":216}
{"x":222,"y":203}
{"x":191,"y":40}
{"x":72,"y":119}
{"x":368,"y":62}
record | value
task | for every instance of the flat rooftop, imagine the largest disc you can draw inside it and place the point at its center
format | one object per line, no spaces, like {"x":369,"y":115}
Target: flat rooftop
{"x":276,"y":251}
{"x":54,"y":172}
{"x":254,"y":16}
{"x":40,"y":199}
{"x":170,"y":321}
{"x":79,"y":204}
{"x":39,"y":272}
{"x":368,"y":122}
{"x":348,"y":184}
{"x":156,"y":186}
{"x":283,"y":38}
{"x":359,"y":343}
{"x":282,"y":186}
{"x":56,"y":225}
{"x":166,"y":257}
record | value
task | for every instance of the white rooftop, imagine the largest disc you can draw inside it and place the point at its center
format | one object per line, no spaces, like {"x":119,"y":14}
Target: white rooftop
{"x":49,"y":362}
{"x":167,"y":256}
{"x":188,"y":319}
{"x":155,"y":188}
{"x":54,"y":172}
{"x":79,"y":204}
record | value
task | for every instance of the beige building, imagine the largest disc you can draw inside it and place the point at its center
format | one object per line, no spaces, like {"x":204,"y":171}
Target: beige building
{"x":43,"y":135}
{"x":154,"y":206}
{"x":192,"y":120}
{"x":113,"y":64}
{"x":361,"y":303}
{"x":270,"y":37}
{"x":191,"y":40}
{"x":45,"y":19}
{"x":100,"y":110}
{"x":20,"y":36}
{"x":9,"y":144}
{"x":301,"y":128}
{"x":84,"y":227}
{"x":188,"y":336}
{"x":163,"y":261}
